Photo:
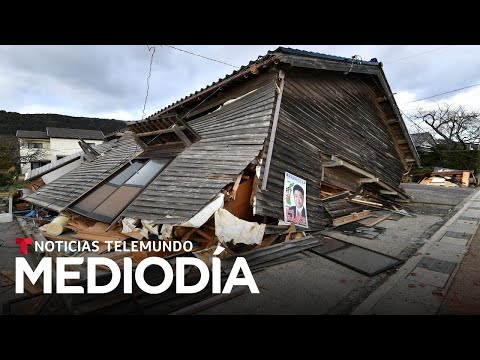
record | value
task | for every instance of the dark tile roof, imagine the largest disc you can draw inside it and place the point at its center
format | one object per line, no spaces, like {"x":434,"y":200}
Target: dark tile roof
{"x":420,"y":139}
{"x":74,"y":133}
{"x":27,"y":134}
{"x":291,"y":51}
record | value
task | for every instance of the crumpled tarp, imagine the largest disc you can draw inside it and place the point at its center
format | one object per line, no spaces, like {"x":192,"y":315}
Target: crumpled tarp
{"x":228,"y":228}
{"x":129,"y":228}
{"x":148,"y":224}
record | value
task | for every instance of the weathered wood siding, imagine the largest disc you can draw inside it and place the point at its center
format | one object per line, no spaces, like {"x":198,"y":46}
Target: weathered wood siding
{"x":332,"y":113}
{"x":341,"y":115}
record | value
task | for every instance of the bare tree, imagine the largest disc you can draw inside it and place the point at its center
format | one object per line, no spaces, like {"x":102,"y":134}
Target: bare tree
{"x":10,"y":155}
{"x":457,"y":125}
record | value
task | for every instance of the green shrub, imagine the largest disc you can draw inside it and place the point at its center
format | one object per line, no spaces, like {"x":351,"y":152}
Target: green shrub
{"x":6,"y":179}
{"x":453,"y":159}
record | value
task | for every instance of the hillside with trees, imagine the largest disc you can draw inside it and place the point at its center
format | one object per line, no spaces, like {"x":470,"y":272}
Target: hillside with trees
{"x":10,"y":122}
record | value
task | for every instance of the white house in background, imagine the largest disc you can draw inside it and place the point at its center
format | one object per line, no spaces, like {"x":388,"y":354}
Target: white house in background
{"x":43,"y":147}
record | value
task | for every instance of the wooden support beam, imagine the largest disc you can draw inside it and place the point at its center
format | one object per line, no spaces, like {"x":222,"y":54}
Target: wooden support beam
{"x":188,"y":127}
{"x":392,"y":121}
{"x":281,"y":77}
{"x":181,"y":135}
{"x":399,"y":142}
{"x":159,"y":132}
{"x":353,"y":168}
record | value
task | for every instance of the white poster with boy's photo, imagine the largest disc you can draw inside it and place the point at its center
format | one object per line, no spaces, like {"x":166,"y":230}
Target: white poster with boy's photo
{"x":295,"y":200}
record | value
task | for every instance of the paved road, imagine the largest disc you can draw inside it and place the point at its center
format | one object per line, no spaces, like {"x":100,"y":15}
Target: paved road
{"x":463,"y":297}
{"x":422,"y":283}
{"x":429,"y":194}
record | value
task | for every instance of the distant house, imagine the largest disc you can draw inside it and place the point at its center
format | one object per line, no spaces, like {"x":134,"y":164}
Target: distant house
{"x":332,"y":122}
{"x":423,"y":142}
{"x":39,"y":148}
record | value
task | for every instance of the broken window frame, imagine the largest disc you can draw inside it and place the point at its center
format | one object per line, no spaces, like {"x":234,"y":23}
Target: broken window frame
{"x":92,"y":214}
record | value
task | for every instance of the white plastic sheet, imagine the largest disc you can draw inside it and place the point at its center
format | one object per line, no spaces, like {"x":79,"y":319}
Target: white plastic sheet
{"x":228,"y":228}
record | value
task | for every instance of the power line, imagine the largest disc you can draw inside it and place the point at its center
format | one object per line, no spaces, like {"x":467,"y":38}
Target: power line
{"x":411,"y":56}
{"x":447,"y":92}
{"x":148,"y":78}
{"x":204,"y":57}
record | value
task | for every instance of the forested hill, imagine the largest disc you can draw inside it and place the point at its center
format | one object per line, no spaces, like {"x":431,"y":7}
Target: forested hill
{"x":10,"y":122}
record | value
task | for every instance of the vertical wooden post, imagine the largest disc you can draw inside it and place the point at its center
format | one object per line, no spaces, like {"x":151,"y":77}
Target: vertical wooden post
{"x":281,"y":77}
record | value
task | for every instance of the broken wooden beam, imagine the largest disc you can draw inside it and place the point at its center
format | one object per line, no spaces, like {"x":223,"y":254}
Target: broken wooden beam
{"x":268,"y":240}
{"x":236,"y":185}
{"x":366,"y":203}
{"x":272,"y":252}
{"x":351,"y":218}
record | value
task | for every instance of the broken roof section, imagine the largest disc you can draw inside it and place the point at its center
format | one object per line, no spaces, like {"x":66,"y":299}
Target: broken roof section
{"x":231,"y":138}
{"x":66,"y":189}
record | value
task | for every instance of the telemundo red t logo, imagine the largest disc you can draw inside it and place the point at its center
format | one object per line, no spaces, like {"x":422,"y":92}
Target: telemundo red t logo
{"x":23,"y":242}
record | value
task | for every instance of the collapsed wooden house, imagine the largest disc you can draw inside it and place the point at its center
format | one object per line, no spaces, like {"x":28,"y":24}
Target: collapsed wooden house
{"x":330,"y":121}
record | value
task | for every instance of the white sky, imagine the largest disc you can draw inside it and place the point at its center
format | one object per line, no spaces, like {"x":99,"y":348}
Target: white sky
{"x":110,"y":81}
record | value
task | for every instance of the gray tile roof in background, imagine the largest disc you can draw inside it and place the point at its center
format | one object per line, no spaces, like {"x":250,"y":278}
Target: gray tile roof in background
{"x":420,"y":139}
{"x":35,"y":173}
{"x":28,"y":134}
{"x":74,"y":133}
{"x":60,"y":193}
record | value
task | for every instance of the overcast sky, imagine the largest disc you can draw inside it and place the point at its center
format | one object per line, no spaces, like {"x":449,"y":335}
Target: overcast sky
{"x":111,"y":81}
